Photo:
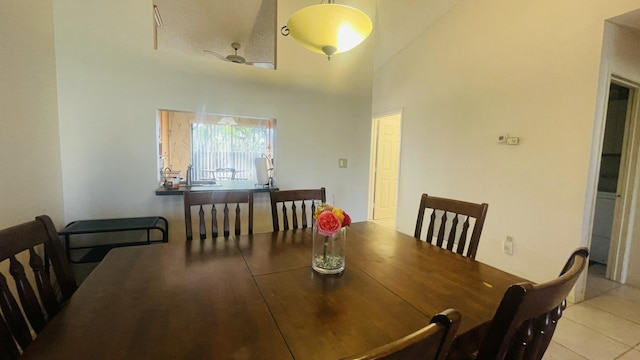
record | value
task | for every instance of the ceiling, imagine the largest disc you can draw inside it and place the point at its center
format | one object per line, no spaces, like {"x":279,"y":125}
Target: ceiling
{"x":630,"y":19}
{"x":193,"y":26}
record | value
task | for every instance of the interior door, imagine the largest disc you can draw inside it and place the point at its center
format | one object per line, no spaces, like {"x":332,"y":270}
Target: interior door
{"x":386,"y":175}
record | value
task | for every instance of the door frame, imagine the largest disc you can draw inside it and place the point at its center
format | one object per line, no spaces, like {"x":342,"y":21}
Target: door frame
{"x":627,"y":190}
{"x":373,"y":155}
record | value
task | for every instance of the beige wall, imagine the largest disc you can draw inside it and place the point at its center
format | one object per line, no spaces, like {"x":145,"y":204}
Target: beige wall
{"x":527,"y":68}
{"x":29,"y":140}
{"x":111,"y":83}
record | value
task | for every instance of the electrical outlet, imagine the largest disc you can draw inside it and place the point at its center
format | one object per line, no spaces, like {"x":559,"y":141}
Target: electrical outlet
{"x":502,"y":138}
{"x":508,"y":245}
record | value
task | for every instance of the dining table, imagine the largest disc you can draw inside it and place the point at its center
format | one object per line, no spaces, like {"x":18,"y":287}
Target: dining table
{"x":257,"y":297}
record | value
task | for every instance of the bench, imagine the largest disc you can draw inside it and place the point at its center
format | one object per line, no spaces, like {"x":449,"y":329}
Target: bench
{"x":98,"y":251}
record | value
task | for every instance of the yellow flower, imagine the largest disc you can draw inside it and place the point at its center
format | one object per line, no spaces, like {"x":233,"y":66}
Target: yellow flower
{"x":338,"y":212}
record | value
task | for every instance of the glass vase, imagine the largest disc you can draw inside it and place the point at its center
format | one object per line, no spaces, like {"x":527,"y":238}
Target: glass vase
{"x":328,"y":252}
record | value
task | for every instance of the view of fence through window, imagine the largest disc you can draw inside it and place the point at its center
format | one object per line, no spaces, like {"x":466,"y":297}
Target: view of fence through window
{"x":217,"y":147}
{"x":226,"y":152}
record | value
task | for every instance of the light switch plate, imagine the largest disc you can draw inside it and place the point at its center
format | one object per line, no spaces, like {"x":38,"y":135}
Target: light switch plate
{"x":342,"y":163}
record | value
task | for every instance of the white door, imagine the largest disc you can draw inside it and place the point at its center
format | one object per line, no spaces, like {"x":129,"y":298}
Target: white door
{"x":386,"y":166}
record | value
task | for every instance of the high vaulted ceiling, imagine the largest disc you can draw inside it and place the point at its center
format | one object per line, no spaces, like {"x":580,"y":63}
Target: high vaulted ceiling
{"x":193,"y":26}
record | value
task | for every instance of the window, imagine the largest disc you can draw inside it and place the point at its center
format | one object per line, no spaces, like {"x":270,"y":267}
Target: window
{"x":218,"y":147}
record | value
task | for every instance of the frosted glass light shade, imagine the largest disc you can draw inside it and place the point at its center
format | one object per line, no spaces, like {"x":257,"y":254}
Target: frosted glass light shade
{"x":329,"y":28}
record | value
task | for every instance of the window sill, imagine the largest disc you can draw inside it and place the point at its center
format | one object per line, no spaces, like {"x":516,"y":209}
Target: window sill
{"x":222,"y":186}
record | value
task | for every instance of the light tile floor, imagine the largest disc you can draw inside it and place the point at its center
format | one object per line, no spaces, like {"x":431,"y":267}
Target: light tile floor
{"x":605,"y":326}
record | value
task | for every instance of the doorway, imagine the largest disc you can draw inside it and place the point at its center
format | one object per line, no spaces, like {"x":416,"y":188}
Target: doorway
{"x":385,"y":157}
{"x":612,"y":215}
{"x":608,"y":192}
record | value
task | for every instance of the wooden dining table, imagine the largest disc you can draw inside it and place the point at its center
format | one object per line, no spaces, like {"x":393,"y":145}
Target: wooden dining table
{"x":256,"y":297}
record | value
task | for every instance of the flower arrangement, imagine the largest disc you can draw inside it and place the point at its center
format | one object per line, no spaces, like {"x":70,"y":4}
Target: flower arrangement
{"x":330,"y":219}
{"x":328,"y":246}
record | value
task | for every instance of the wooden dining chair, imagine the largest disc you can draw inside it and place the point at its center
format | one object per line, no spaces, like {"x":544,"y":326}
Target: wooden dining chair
{"x":450,"y":216}
{"x":432,"y":342}
{"x":294,"y":198}
{"x":526,"y":318}
{"x":30,"y":243}
{"x":222,"y":199}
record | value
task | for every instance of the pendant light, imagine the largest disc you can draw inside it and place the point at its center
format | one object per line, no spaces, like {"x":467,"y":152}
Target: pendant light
{"x":328,"y":28}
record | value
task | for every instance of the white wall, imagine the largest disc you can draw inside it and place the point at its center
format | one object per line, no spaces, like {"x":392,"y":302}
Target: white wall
{"x":111,"y":82}
{"x":29,"y":142}
{"x":527,"y":68}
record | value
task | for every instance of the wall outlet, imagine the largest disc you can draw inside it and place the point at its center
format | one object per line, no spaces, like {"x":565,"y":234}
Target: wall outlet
{"x":508,"y":245}
{"x":502,"y":138}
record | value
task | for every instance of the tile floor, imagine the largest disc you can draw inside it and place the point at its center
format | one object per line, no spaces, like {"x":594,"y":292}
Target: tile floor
{"x":606,"y":326}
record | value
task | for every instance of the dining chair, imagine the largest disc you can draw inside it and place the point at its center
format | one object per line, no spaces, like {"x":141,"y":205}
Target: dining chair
{"x":223,"y":199}
{"x":432,"y":342}
{"x":293,"y":199}
{"x":451,"y":216}
{"x":29,"y":243}
{"x":526,"y":318}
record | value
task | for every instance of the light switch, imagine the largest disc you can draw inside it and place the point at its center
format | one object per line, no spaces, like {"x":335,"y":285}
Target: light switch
{"x":342,"y":163}
{"x":508,"y":245}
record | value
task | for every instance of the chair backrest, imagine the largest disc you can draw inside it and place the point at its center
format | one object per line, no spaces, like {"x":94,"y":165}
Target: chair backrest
{"x":452,"y":215}
{"x":18,"y":243}
{"x":432,"y":342}
{"x":526,"y":318}
{"x":222,"y":199}
{"x":303,"y":198}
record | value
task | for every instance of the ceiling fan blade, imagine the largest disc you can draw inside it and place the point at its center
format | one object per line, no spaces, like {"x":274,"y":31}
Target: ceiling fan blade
{"x":264,"y":65}
{"x":216,"y":55}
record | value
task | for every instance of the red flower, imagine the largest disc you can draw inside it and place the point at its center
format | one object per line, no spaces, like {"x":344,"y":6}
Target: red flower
{"x":328,"y":223}
{"x":347,"y":219}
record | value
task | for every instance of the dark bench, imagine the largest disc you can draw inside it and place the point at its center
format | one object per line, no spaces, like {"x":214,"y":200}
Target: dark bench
{"x":98,"y":251}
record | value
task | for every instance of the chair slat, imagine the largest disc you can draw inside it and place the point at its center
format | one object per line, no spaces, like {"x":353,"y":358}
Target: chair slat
{"x":43,"y":283}
{"x":13,"y":315}
{"x":451,"y":240}
{"x":462,"y":240}
{"x":202,"y":227}
{"x":442,"y":228}
{"x":214,"y":222}
{"x":237,"y":223}
{"x":304,"y":214}
{"x":8,"y":348}
{"x":27,"y":296}
{"x":294,"y":215}
{"x":285,"y":218}
{"x":432,"y":223}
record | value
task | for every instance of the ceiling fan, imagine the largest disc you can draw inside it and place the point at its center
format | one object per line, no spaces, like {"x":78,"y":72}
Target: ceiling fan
{"x":235,"y":58}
